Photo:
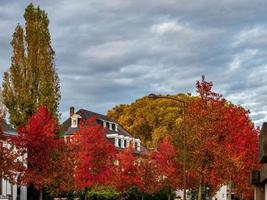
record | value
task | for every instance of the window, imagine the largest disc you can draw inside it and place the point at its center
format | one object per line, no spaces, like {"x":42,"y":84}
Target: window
{"x":113,"y":127}
{"x":119,"y":142}
{"x":74,"y":122}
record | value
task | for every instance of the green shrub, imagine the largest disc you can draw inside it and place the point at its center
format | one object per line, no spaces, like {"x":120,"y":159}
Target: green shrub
{"x":103,"y":195}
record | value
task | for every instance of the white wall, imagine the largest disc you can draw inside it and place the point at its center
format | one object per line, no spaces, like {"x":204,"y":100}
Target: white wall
{"x":221,"y":194}
{"x":8,"y":189}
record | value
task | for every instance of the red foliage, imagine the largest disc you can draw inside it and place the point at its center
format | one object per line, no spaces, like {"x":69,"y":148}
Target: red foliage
{"x":224,"y":146}
{"x":169,"y":169}
{"x":125,"y":174}
{"x":63,"y":168}
{"x":149,"y":174}
{"x":39,"y":139}
{"x":95,"y":158}
{"x":9,"y":164}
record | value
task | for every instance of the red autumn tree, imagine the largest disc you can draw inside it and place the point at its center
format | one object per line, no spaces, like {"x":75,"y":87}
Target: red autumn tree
{"x":125,"y":174}
{"x":149,"y":174}
{"x":63,"y":168}
{"x":38,"y":139}
{"x":95,"y":159}
{"x":218,"y":136}
{"x":170,"y":170}
{"x":242,"y":146}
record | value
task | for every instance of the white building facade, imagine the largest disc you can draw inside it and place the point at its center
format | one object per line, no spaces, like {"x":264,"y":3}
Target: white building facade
{"x":7,"y":190}
{"x":12,"y":192}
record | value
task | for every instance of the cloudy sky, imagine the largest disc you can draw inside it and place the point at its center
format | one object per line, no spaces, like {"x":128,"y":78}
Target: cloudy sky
{"x":113,"y":52}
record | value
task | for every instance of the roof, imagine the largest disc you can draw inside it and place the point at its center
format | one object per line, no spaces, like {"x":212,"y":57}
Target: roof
{"x":7,"y":129}
{"x":86,"y":114}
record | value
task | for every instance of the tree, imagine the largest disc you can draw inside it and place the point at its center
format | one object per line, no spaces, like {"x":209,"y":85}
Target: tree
{"x":219,"y":134}
{"x":151,"y":120}
{"x":169,"y":169}
{"x":125,"y":174}
{"x":95,"y":158}
{"x":32,"y":79}
{"x":149,"y":174}
{"x":38,"y":139}
{"x":63,"y":169}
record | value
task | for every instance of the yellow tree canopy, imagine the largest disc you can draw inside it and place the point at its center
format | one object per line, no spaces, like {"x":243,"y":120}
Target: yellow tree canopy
{"x":151,"y":119}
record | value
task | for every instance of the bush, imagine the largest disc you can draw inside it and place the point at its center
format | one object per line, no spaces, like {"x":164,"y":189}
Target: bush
{"x":134,"y":194}
{"x":103,"y":195}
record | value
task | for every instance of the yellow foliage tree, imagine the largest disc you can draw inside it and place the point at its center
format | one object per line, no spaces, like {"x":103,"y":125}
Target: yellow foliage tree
{"x":151,"y":120}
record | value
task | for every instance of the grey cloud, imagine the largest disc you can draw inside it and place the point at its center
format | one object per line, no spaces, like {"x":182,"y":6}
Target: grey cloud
{"x":112,"y":52}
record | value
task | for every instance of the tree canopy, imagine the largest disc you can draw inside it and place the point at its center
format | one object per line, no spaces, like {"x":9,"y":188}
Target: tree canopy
{"x":31,"y":80}
{"x":214,"y":137}
{"x":151,"y":120}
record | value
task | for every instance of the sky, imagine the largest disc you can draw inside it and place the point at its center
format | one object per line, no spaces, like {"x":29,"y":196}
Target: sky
{"x":113,"y":52}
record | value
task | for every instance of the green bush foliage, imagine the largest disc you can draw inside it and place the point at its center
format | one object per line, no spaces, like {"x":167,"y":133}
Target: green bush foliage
{"x":103,"y":195}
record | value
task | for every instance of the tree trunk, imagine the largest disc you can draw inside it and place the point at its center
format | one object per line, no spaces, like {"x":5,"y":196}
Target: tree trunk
{"x":85,"y":193}
{"x":142,"y":196}
{"x":169,"y":194}
{"x":200,"y":191}
{"x":41,"y":194}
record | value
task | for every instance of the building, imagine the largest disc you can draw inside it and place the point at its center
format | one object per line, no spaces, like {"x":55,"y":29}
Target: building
{"x":115,"y":133}
{"x":259,"y":177}
{"x":7,"y":190}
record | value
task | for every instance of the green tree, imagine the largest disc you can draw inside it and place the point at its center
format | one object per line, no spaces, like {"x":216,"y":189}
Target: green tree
{"x":32,"y":79}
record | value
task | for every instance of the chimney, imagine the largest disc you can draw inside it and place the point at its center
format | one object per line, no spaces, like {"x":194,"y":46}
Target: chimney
{"x":71,"y":110}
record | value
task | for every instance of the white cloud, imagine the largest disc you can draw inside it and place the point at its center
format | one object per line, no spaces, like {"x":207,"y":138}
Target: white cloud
{"x":240,"y":58}
{"x":251,"y":36}
{"x":109,"y":50}
{"x":170,"y":27}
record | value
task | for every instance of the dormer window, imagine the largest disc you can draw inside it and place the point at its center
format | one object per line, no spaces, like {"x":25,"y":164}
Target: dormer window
{"x":116,"y":127}
{"x":137,"y":145}
{"x":74,"y":122}
{"x":113,"y":127}
{"x":110,"y":126}
{"x":119,"y":145}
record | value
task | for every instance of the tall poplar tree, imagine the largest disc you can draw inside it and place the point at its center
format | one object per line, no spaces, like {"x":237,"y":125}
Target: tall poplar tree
{"x":32,"y":79}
